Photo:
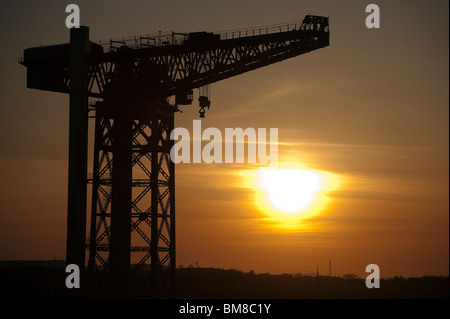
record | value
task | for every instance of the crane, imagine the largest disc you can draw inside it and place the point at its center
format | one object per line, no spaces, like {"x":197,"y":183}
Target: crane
{"x":125,"y":85}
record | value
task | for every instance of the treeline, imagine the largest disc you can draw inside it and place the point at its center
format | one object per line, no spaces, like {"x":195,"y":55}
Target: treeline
{"x":35,"y":280}
{"x":217,"y":283}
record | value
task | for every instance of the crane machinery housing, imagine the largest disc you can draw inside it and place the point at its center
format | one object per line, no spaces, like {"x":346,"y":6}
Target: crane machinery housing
{"x":132,"y":207}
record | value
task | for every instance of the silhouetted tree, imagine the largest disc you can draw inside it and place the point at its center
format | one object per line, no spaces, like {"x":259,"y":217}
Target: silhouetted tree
{"x":350,"y":276}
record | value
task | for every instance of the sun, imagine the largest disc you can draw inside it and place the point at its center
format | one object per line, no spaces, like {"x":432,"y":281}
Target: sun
{"x":289,"y":195}
{"x":292,"y":194}
{"x":290,"y":190}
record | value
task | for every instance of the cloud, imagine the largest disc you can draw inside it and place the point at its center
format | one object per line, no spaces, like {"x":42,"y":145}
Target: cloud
{"x":379,"y":196}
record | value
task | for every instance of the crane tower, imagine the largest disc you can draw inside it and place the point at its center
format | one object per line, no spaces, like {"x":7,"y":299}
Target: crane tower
{"x":126,"y":85}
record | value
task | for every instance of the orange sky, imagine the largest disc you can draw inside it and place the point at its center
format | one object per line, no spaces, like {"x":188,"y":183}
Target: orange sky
{"x":372,"y":109}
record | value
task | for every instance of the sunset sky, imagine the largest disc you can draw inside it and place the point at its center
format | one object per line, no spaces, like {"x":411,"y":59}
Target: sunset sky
{"x":370,"y":112}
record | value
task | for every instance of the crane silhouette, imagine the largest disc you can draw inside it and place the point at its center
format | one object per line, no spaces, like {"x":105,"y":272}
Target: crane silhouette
{"x":125,"y":85}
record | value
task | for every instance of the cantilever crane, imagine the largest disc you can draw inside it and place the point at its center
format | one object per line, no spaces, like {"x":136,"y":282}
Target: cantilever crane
{"x":133,"y":180}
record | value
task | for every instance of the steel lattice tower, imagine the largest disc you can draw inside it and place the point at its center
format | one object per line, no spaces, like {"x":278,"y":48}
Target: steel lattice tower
{"x":125,"y":149}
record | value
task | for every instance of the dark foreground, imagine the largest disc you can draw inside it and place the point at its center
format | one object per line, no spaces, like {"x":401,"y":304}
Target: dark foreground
{"x":47,"y":280}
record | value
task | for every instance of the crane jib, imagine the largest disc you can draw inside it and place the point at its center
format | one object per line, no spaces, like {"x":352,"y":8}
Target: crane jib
{"x":183,"y":61}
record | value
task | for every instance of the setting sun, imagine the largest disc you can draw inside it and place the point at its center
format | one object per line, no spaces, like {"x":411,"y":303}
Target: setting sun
{"x":291,"y":194}
{"x":290,"y":190}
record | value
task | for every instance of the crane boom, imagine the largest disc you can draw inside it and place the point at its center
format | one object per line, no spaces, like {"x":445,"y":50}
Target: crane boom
{"x":196,"y":60}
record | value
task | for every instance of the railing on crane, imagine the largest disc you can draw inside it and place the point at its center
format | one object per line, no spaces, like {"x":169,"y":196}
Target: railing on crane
{"x":309,"y":23}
